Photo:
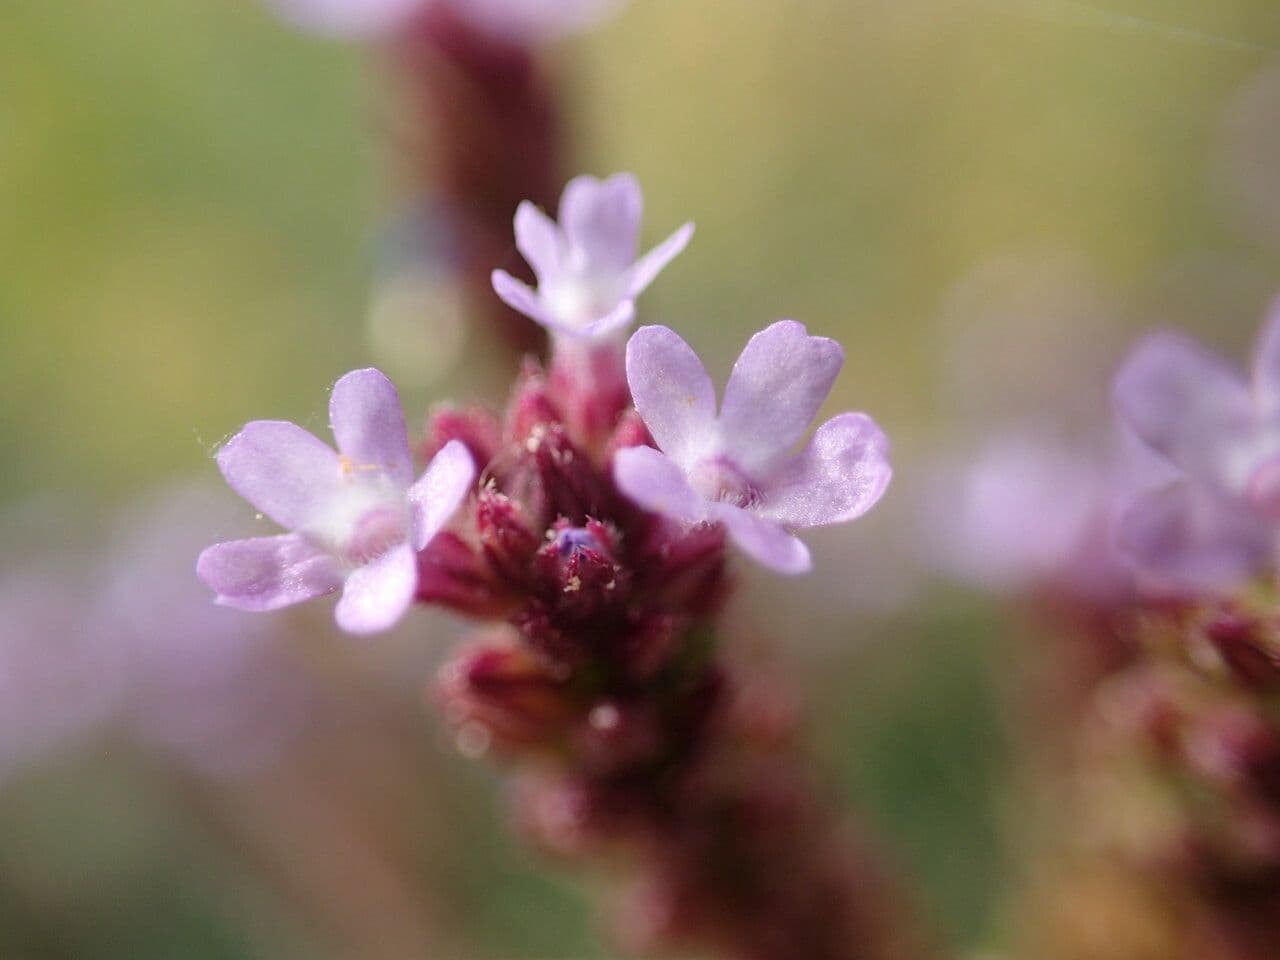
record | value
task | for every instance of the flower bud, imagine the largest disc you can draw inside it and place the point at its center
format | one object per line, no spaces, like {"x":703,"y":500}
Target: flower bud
{"x":531,"y":407}
{"x":686,"y":566}
{"x":629,"y":432}
{"x":452,"y":574}
{"x":569,"y":485}
{"x":506,"y":538}
{"x":476,"y":427}
{"x":577,"y":573}
{"x":504,"y":694}
{"x":1248,"y":648}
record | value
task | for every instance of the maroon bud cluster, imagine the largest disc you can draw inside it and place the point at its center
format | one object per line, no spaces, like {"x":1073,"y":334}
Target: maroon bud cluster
{"x":1199,"y":711}
{"x":605,"y":671}
{"x":551,"y":547}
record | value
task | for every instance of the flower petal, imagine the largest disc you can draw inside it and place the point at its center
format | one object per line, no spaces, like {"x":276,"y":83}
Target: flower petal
{"x":672,"y":392}
{"x":657,"y":484}
{"x":378,"y":594}
{"x":282,"y":470}
{"x":840,"y":474}
{"x":266,"y":573}
{"x":442,"y":487}
{"x":1189,"y":405}
{"x":522,"y":298}
{"x":1183,"y":538}
{"x":357,"y":19}
{"x":646,"y":269}
{"x":525,"y":23}
{"x":539,"y":240}
{"x":619,"y":318}
{"x":774,"y":392}
{"x":601,"y":220}
{"x":763,"y":540}
{"x":1266,"y":366}
{"x":368,"y":424}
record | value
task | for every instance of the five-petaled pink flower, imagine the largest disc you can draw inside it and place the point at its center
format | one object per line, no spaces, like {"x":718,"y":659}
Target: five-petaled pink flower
{"x":356,"y":515}
{"x":740,"y":468}
{"x":588,"y":274}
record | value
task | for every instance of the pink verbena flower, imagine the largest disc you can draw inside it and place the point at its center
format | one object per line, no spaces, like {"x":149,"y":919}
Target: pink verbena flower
{"x":739,"y":468}
{"x":1031,"y":512}
{"x":513,"y":21}
{"x":356,"y":515}
{"x":588,"y":274}
{"x":1216,"y":523}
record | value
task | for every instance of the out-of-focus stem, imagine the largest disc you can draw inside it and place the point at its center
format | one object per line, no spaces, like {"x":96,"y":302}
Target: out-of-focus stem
{"x":487,"y":135}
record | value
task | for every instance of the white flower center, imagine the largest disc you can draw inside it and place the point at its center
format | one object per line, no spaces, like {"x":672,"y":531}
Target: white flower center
{"x":718,"y":479}
{"x":366,"y":517}
{"x":580,"y":298}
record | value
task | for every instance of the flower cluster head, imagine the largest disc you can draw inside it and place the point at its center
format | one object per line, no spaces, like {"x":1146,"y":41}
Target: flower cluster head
{"x":739,"y":467}
{"x":1216,"y":523}
{"x":519,"y":22}
{"x":357,"y":517}
{"x":588,"y":273}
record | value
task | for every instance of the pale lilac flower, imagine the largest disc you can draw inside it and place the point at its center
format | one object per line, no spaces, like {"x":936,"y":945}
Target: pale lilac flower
{"x":1216,"y":524}
{"x":358,"y":19}
{"x":532,"y":21}
{"x":521,"y":22}
{"x":1032,"y":511}
{"x":1017,"y":515}
{"x":356,"y":515}
{"x":740,"y":468}
{"x":588,"y":274}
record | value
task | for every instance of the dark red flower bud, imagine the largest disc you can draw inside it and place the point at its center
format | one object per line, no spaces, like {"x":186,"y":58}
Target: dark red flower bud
{"x":569,"y":485}
{"x":541,"y":630}
{"x":1249,"y":649}
{"x":452,"y":574}
{"x":531,"y":408}
{"x":506,"y":537}
{"x":504,"y":695}
{"x":576,"y":573}
{"x":630,"y":432}
{"x":686,"y":566}
{"x":476,"y":427}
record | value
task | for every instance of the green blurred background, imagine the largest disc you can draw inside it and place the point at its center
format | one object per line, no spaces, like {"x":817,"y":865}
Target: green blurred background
{"x":191,"y":200}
